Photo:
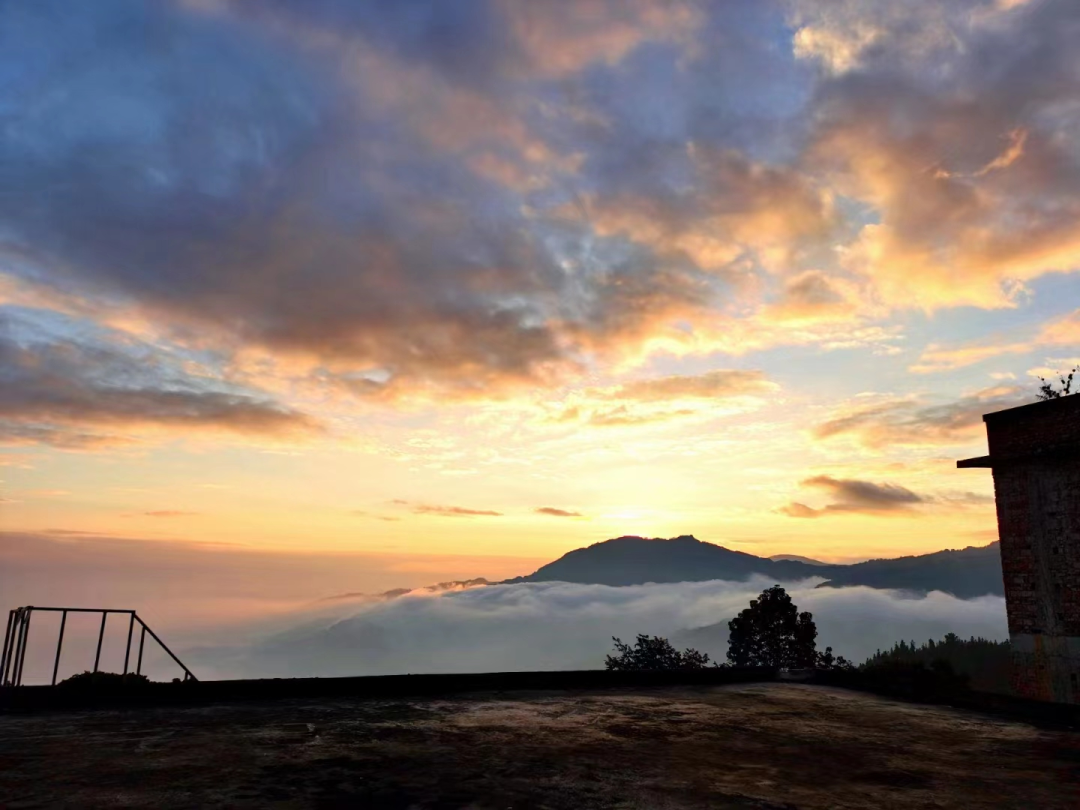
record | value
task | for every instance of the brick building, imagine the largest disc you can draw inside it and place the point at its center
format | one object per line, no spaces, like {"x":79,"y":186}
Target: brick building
{"x":1035,"y":458}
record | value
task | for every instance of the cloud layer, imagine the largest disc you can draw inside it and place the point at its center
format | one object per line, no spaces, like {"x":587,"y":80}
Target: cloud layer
{"x":461,"y":200}
{"x":554,"y":625}
{"x":76,"y":392}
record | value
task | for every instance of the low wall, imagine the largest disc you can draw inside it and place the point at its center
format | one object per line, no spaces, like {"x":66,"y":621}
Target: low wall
{"x":31,"y":698}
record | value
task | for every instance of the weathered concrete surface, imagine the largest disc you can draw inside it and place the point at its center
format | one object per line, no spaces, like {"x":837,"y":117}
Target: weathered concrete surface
{"x":739,"y":746}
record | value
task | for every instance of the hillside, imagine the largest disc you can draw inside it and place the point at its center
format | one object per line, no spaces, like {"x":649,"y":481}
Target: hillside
{"x":967,"y":573}
{"x":970,"y":572}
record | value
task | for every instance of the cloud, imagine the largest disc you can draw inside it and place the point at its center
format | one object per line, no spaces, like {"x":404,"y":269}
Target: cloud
{"x":556,"y":625}
{"x":169,"y":513}
{"x":948,"y":227}
{"x":717,"y":384}
{"x":365,"y":513}
{"x":912,"y":422}
{"x":76,"y":392}
{"x":663,"y":399}
{"x":363,"y":166}
{"x":557,"y":39}
{"x":553,"y":512}
{"x":452,"y":511}
{"x":1063,"y":331}
{"x":853,"y":496}
{"x":439,"y":201}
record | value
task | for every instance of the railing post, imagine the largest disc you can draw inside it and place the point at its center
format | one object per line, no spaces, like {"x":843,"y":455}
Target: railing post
{"x":23,"y":641}
{"x":17,"y":640}
{"x":100,"y":638}
{"x":127,"y":647}
{"x":16,"y":647}
{"x":59,"y":644}
{"x":142,"y":641}
{"x":7,"y":648}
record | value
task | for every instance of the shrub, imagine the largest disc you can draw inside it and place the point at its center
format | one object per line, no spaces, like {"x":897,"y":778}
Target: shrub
{"x":654,"y":653}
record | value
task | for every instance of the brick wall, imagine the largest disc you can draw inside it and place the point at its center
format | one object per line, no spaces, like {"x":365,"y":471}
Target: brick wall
{"x":1035,"y":452}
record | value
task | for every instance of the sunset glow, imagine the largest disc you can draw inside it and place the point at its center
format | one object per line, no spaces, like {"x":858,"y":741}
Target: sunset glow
{"x":450,"y":289}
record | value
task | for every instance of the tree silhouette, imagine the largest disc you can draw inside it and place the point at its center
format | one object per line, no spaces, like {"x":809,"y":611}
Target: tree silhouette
{"x":1047,"y":390}
{"x":826,"y":660}
{"x":653,"y":653}
{"x":986,"y":663}
{"x":773,"y":633}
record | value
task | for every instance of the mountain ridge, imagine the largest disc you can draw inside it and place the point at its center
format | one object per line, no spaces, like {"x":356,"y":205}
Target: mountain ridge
{"x":632,"y":560}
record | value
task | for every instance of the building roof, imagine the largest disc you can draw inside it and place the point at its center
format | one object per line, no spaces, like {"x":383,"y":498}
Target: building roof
{"x":1045,"y":430}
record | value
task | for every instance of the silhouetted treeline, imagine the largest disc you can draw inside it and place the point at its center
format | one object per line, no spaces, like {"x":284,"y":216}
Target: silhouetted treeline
{"x":983,"y":663}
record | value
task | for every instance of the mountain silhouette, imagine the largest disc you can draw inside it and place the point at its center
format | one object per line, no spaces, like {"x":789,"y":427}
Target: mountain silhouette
{"x":973,"y":571}
{"x":797,"y":558}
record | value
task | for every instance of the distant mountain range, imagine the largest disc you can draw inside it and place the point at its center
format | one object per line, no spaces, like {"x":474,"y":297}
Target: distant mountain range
{"x":796,"y":558}
{"x":967,"y":573}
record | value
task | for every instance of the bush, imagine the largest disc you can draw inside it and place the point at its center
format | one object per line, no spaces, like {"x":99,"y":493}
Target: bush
{"x":654,"y":653}
{"x":104,"y":681}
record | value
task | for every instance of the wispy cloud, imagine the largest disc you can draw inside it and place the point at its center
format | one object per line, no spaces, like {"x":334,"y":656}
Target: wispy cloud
{"x":79,"y":393}
{"x":553,"y":512}
{"x":881,"y":421}
{"x":849,"y":495}
{"x":452,"y":511}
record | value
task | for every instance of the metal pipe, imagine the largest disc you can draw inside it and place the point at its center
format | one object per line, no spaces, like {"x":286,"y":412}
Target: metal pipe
{"x":100,"y":638}
{"x":80,"y":610}
{"x":142,"y":641}
{"x":180,"y":663}
{"x":59,"y":644}
{"x":7,"y":648}
{"x":13,"y":656}
{"x":16,"y":645}
{"x":127,"y":648}
{"x":24,"y":639}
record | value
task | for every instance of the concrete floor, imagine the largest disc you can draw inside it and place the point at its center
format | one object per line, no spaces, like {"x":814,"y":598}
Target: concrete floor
{"x":743,"y":746}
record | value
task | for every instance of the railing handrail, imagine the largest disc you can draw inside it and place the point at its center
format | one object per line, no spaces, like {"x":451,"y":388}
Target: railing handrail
{"x":18,"y":631}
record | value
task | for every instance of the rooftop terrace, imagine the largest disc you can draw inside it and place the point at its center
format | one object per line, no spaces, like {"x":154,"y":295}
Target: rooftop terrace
{"x":760,"y":745}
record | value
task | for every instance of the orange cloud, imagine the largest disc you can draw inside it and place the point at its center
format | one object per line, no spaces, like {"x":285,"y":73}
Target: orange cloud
{"x":946,"y":227}
{"x":77,"y":395}
{"x":453,"y":511}
{"x":912,"y":422}
{"x":663,"y":399}
{"x":553,"y":512}
{"x":558,"y":38}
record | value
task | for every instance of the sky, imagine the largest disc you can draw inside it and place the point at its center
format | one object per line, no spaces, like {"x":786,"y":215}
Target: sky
{"x":322,"y":296}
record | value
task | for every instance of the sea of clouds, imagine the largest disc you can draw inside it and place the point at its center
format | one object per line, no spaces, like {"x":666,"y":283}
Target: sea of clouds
{"x":559,"y":625}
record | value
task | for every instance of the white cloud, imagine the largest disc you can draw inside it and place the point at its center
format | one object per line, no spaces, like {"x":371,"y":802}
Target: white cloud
{"x":558,"y":625}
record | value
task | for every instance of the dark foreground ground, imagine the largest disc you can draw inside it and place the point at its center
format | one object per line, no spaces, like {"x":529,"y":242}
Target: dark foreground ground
{"x":739,"y":746}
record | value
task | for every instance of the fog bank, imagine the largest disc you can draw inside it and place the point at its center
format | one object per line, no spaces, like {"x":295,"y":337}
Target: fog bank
{"x":558,"y":625}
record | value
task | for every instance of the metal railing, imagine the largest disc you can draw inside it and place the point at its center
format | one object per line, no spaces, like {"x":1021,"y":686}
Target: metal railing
{"x":18,"y":634}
